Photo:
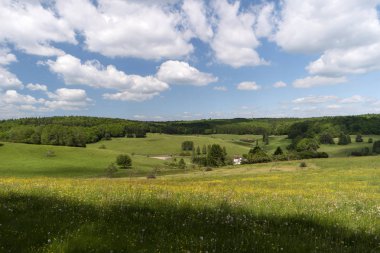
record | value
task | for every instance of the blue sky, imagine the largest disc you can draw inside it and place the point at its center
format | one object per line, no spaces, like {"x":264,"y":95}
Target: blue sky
{"x":189,"y":59}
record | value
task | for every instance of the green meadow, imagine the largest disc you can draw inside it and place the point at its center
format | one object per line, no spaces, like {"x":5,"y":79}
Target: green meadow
{"x":65,"y":202}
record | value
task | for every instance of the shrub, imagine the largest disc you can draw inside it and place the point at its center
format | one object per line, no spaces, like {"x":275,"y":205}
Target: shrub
{"x":359,"y":138}
{"x":307,"y":144}
{"x":102,"y":146}
{"x":311,"y":154}
{"x":182,"y":164}
{"x":344,"y":139}
{"x":151,"y":176}
{"x":1,"y":144}
{"x":124,"y":161}
{"x":208,"y":169}
{"x":376,"y":147}
{"x":111,"y":170}
{"x":50,"y":153}
{"x":370,"y":140}
{"x":257,"y":157}
{"x":187,"y":145}
{"x":278,"y":151}
{"x":303,"y":165}
{"x":364,"y":152}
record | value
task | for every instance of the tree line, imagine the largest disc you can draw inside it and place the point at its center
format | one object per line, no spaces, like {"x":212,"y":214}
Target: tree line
{"x":80,"y":130}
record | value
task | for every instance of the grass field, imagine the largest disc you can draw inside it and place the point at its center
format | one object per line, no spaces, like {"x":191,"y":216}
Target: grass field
{"x":65,"y":204}
{"x":331,"y":206}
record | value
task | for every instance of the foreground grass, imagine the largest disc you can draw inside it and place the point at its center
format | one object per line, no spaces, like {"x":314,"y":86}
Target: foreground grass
{"x":332,"y":206}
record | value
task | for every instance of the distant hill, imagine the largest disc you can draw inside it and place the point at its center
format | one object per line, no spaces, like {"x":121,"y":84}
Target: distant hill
{"x":81,"y":130}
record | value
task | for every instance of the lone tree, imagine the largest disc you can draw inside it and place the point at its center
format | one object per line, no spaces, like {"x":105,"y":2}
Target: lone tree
{"x":198,"y":151}
{"x":124,"y":161}
{"x":182,"y":164}
{"x":216,"y":156}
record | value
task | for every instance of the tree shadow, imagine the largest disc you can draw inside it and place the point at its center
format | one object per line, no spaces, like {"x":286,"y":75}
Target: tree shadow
{"x":38,"y":224}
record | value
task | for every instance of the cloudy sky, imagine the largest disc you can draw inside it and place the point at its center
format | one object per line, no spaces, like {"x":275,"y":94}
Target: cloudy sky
{"x":189,"y":59}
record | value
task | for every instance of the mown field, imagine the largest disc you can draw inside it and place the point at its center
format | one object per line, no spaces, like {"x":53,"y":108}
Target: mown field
{"x":65,"y":204}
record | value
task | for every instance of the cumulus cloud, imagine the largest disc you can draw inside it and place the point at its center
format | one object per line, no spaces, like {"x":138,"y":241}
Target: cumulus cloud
{"x":13,"y":97}
{"x":265,"y":21}
{"x":32,"y":28}
{"x":181,"y":73}
{"x":36,"y":87}
{"x":61,"y":99}
{"x":248,"y":86}
{"x":94,"y":74}
{"x":235,"y":41}
{"x":280,"y":84}
{"x":195,"y":11}
{"x":314,"y":99}
{"x":9,"y":80}
{"x":67,"y":99}
{"x":317,"y":25}
{"x":345,"y":32}
{"x":313,"y":81}
{"x":127,"y":28}
{"x":358,"y":60}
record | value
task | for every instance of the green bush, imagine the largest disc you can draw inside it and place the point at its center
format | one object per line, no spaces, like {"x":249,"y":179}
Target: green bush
{"x":359,"y":138}
{"x":376,"y":147}
{"x":124,"y":161}
{"x":111,"y":170}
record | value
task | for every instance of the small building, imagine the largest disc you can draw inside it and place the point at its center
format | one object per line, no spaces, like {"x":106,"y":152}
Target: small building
{"x":237,"y":160}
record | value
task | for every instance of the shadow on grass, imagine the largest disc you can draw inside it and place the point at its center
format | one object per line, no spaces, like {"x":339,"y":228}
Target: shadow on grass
{"x":46,"y":224}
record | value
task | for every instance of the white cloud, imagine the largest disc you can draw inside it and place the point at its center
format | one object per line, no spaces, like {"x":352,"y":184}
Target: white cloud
{"x":220,"y":88}
{"x":248,"y":86}
{"x":177,"y":72}
{"x":127,"y":28}
{"x":31,"y":27}
{"x":265,"y":23}
{"x":312,"y":81}
{"x":6,"y":57}
{"x":319,"y":25}
{"x":195,"y":11}
{"x":92,"y":73}
{"x":235,"y":41}
{"x":8,"y":80}
{"x":338,"y":62}
{"x":346,"y":32}
{"x":129,"y":96}
{"x":280,"y":84}
{"x":67,"y":99}
{"x":13,"y":97}
{"x":314,"y":99}
{"x":354,"y":99}
{"x":36,"y":87}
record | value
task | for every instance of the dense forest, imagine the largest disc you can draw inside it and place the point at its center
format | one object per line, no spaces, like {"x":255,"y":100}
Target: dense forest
{"x":79,"y":130}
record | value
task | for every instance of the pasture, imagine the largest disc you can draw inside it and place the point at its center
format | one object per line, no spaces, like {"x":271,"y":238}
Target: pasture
{"x":64,"y":203}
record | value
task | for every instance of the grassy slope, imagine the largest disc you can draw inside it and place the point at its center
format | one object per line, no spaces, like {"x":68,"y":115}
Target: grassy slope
{"x":30,"y":160}
{"x":331,"y":206}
